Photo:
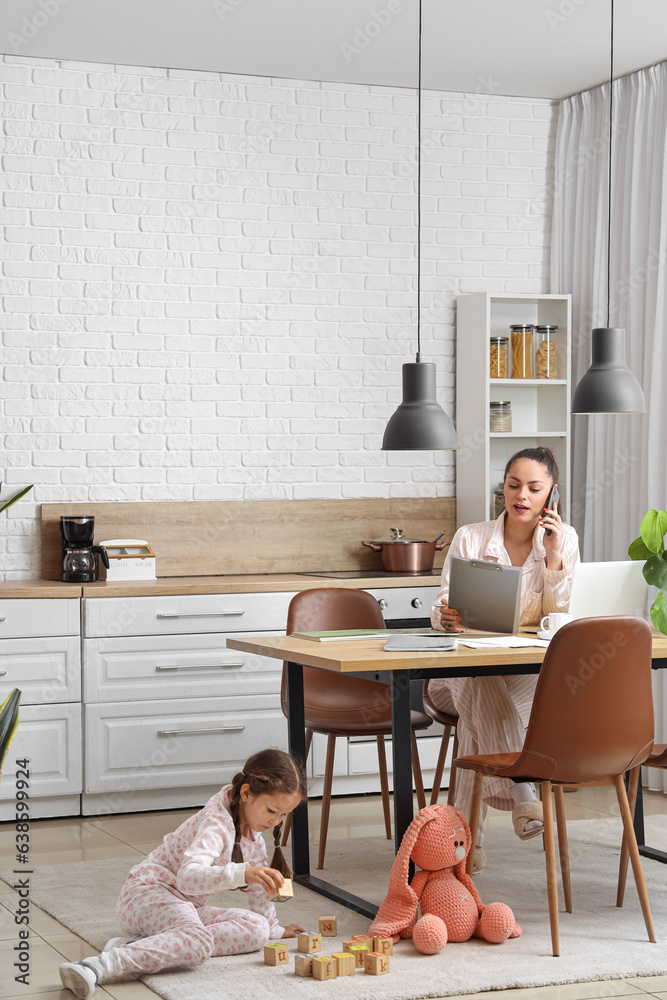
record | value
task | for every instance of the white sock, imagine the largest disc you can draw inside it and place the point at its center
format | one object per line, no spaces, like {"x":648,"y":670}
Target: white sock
{"x":523,"y":791}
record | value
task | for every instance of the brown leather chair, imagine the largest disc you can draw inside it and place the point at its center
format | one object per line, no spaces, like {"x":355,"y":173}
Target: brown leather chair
{"x":336,"y":705}
{"x":658,"y":758}
{"x":449,"y":722}
{"x":574,"y":736}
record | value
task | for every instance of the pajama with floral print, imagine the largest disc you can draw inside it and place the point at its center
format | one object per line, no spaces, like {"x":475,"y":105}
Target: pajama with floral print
{"x":164,"y":901}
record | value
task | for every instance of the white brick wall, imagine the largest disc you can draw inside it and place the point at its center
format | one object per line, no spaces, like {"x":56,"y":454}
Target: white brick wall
{"x":208,"y":281}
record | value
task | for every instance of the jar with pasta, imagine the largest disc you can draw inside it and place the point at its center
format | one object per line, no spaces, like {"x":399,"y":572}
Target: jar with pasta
{"x":522,"y":349}
{"x":546,"y":352}
{"x":499,"y":352}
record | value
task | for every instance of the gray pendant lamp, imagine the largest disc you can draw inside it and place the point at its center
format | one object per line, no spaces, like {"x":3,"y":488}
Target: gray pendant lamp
{"x":419,"y":423}
{"x":608,"y":386}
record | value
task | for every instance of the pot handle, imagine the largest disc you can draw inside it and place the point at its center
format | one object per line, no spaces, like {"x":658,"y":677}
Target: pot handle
{"x":373,"y":546}
{"x":441,"y":545}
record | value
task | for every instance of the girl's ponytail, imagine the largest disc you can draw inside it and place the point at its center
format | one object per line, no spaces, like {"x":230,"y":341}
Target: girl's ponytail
{"x":278,"y":861}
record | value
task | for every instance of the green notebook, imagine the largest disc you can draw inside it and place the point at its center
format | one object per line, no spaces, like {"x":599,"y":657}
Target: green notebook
{"x":345,"y":633}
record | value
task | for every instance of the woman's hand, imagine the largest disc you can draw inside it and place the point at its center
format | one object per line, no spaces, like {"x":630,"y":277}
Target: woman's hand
{"x":450,"y":620}
{"x":553,"y":543}
{"x":292,"y":930}
{"x":269,"y":878}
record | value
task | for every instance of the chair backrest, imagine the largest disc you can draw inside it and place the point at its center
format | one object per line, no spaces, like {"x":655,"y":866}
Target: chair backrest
{"x":329,"y":608}
{"x":592,"y":714}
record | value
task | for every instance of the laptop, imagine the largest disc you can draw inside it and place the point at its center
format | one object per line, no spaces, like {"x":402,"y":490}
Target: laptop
{"x":487,"y":595}
{"x":609,"y":588}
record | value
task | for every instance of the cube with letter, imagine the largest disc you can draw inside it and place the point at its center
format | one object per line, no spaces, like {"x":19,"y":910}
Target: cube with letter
{"x":376,"y":964}
{"x":385,"y":945}
{"x":285,"y":892}
{"x":276,"y":954}
{"x":309,"y":942}
{"x":328,"y":926}
{"x":358,"y":950}
{"x":324,"y":967}
{"x":345,"y":963}
{"x":303,"y":965}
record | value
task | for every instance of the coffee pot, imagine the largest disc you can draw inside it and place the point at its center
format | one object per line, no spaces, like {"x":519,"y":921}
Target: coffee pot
{"x":78,"y":565}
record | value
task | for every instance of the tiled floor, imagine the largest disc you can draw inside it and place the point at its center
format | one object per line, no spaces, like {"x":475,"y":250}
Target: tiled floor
{"x":132,"y":836}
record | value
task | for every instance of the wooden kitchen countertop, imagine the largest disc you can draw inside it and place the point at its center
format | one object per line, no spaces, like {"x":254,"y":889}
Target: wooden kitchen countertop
{"x":175,"y":585}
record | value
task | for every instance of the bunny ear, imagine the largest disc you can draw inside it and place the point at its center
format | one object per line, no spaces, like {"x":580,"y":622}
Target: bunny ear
{"x":401,"y":902}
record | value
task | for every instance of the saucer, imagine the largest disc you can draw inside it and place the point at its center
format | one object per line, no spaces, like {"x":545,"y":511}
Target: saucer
{"x":542,"y":634}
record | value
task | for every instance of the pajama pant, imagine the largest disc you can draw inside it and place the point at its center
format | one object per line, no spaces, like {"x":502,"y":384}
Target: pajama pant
{"x":177,"y":933}
{"x":493,"y":715}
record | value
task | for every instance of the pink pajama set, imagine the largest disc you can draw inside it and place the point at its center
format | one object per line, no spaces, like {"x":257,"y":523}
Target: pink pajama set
{"x":164,"y":900}
{"x":494,"y":711}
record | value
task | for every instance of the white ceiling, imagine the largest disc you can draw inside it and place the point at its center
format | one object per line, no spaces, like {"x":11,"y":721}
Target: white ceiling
{"x":530,"y":48}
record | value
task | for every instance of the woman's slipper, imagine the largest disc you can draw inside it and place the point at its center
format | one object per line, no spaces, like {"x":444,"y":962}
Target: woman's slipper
{"x":522,"y":814}
{"x":479,"y":860}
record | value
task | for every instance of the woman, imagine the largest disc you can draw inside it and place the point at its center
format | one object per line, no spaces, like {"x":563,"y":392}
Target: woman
{"x":494,"y":711}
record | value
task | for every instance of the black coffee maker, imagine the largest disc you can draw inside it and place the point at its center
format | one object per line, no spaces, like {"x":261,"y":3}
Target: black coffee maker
{"x":78,"y":550}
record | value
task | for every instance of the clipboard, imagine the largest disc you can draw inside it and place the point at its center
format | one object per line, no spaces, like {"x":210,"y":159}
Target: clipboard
{"x":487,"y":595}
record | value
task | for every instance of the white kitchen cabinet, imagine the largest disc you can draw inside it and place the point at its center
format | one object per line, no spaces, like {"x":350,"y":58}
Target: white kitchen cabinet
{"x":49,"y":737}
{"x":40,"y":654}
{"x":540,"y":407}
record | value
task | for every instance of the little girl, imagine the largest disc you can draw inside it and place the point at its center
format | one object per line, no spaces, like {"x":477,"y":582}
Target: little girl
{"x":163,"y":903}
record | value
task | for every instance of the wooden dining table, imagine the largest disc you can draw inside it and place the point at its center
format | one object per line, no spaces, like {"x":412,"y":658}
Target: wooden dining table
{"x":367,"y":658}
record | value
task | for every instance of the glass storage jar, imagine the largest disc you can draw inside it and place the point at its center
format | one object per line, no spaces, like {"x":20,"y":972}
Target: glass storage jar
{"x":499,"y":353}
{"x":498,"y":500}
{"x":522,"y":349}
{"x":546,"y":353}
{"x":500,"y":416}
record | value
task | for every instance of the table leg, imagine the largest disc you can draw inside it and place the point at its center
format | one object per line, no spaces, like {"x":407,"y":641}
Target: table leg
{"x":296,"y":736}
{"x":401,"y":748}
{"x":638,"y":822}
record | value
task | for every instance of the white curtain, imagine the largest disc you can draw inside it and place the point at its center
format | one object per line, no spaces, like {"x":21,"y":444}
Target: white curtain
{"x":619,"y":462}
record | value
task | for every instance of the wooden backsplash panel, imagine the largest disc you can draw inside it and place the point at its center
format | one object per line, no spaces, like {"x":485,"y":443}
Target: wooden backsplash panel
{"x":209,"y":538}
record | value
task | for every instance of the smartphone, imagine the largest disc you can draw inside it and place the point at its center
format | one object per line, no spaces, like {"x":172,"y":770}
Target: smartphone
{"x":554,"y":497}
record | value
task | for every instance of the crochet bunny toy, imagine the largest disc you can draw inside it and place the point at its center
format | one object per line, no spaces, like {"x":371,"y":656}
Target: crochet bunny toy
{"x":438,"y":841}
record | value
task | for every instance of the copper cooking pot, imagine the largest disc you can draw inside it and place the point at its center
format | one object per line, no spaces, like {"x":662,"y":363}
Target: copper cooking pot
{"x":402,"y":555}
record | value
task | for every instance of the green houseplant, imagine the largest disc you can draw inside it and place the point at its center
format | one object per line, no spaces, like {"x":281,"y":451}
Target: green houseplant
{"x":650,"y":546}
{"x":9,"y":720}
{"x":17,"y":496}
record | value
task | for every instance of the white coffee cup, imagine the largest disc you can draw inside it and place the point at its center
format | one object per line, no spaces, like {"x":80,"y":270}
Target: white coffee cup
{"x":552,"y":622}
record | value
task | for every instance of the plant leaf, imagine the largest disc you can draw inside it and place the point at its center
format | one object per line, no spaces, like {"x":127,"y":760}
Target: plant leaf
{"x":655,"y":571}
{"x":17,"y":496}
{"x":637,"y":549}
{"x":659,"y":613}
{"x":653,"y":528}
{"x":9,"y":720}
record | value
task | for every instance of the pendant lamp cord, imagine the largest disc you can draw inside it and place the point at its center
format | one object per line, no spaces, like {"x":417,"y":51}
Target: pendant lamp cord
{"x":611,"y":123}
{"x":419,"y":182}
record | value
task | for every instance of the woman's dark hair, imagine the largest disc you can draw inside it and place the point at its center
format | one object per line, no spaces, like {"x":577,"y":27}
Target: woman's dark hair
{"x":270,"y":772}
{"x":543,"y":456}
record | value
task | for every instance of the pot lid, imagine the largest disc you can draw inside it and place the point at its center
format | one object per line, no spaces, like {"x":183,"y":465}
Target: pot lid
{"x":397,"y":539}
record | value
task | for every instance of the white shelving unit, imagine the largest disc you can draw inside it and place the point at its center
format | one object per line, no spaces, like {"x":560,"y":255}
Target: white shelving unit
{"x":540,"y":407}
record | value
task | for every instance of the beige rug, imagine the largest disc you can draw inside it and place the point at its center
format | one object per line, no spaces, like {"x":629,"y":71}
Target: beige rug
{"x":598,"y":941}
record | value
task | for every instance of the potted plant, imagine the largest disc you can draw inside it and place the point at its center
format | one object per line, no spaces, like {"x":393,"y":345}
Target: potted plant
{"x":650,"y":546}
{"x":17,"y":496}
{"x":9,"y":720}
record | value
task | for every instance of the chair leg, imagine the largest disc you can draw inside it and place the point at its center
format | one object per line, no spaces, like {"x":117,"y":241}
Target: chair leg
{"x":451,"y":793}
{"x":550,"y":856}
{"x":625,"y":853}
{"x":417,"y":772}
{"x":473,"y":821}
{"x":634,"y":854}
{"x":288,"y":821}
{"x":384,"y":785}
{"x":326,"y":799}
{"x":440,"y":766}
{"x":562,"y":846}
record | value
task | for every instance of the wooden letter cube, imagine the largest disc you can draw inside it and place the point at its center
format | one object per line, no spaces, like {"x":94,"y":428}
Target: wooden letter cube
{"x":385,"y":945}
{"x":286,"y":892}
{"x":359,"y":950}
{"x":324,"y":967}
{"x":309,"y":942}
{"x":303,"y":965}
{"x":363,"y":939}
{"x":328,"y":926}
{"x":276,"y":954}
{"x":376,"y":964}
{"x":345,"y":963}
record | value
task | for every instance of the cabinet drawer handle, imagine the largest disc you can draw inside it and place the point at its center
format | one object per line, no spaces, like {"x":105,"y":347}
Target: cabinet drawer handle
{"x":3,"y":673}
{"x":203,"y":666}
{"x":2,"y":618}
{"x":200,"y":614}
{"x":194,"y":732}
